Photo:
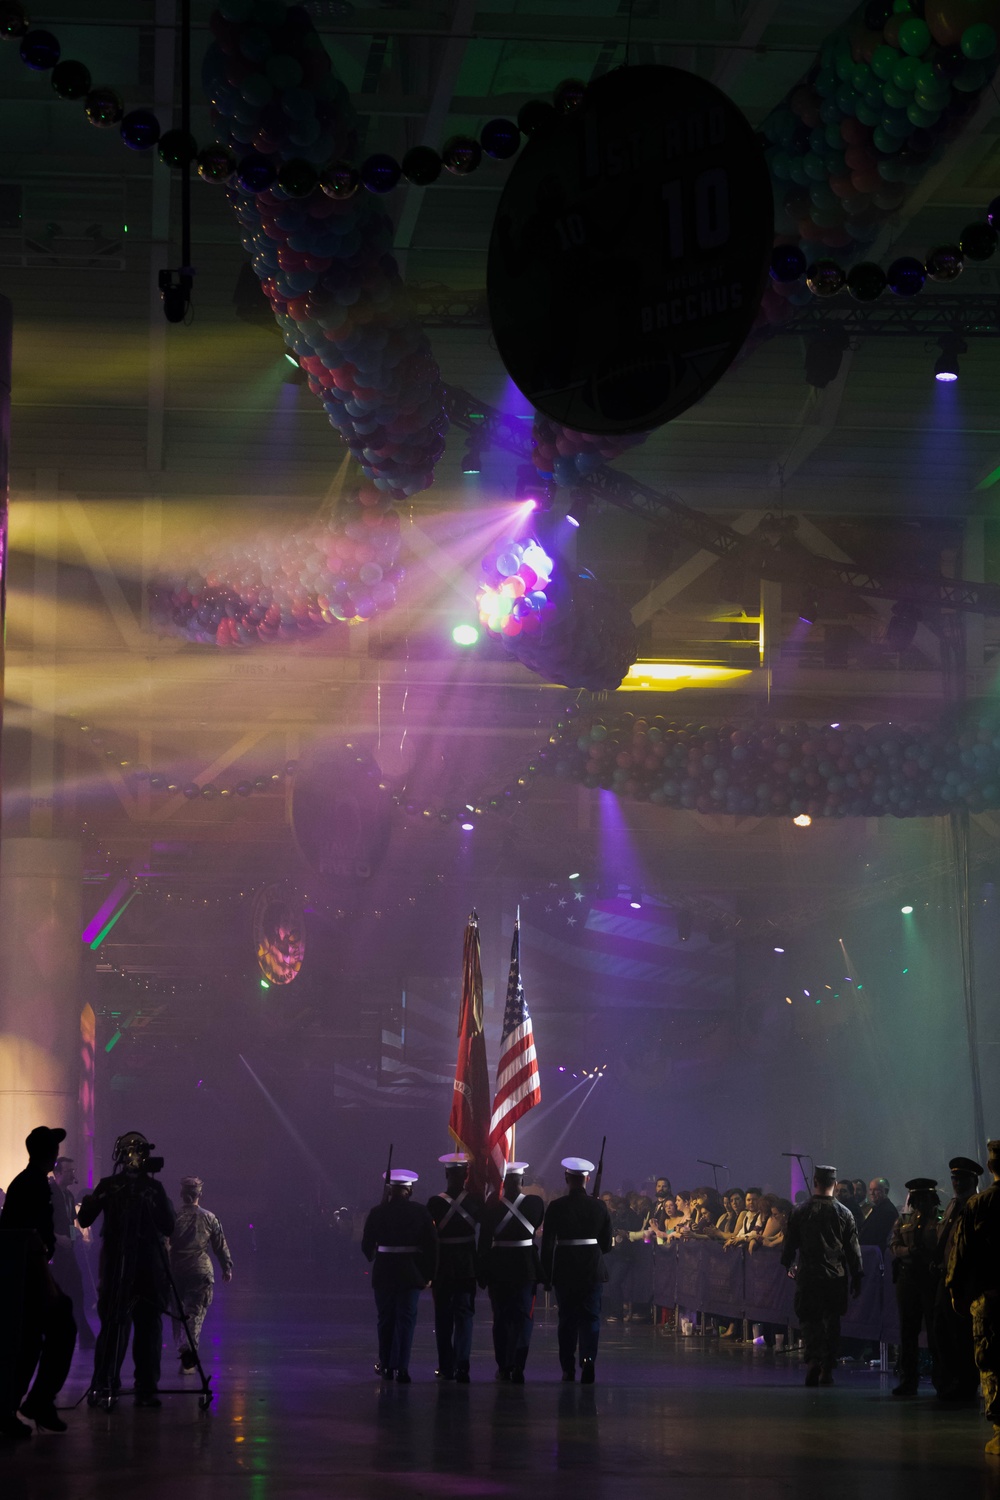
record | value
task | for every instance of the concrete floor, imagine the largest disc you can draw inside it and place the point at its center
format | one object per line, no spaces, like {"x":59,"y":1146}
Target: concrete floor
{"x":299,"y":1413}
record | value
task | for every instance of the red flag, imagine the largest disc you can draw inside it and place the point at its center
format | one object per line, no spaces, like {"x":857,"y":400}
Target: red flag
{"x":469,"y":1122}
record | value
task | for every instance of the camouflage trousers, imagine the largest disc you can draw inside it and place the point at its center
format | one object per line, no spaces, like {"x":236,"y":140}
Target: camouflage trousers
{"x":986,"y":1337}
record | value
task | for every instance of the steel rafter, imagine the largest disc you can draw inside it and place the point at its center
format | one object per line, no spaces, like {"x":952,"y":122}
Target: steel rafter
{"x":968,"y":315}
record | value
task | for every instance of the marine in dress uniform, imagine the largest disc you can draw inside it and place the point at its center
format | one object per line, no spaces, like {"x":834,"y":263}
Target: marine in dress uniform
{"x":400,"y":1240}
{"x":456,"y":1214}
{"x":824,"y":1236}
{"x":913,"y":1252}
{"x":508,"y":1267}
{"x":575,"y":1240}
{"x":37,"y":1328}
{"x":954,"y":1369}
{"x":973,"y":1278}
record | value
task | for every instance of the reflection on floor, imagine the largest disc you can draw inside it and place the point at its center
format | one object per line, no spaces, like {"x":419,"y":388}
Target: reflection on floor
{"x":298,"y":1412}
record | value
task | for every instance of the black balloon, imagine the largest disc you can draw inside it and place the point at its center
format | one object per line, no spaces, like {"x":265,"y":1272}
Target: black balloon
{"x":787,"y":263}
{"x":297,"y":177}
{"x":215,"y":164}
{"x":461,"y":155}
{"x":380,"y":173}
{"x":339,"y":179}
{"x":978,"y":241}
{"x":536,"y":117}
{"x":568,"y":96}
{"x":421,"y":166}
{"x":877,"y":12}
{"x":255,"y":173}
{"x":14,"y":22}
{"x":866,"y":281}
{"x":993,"y":214}
{"x":825,"y":278}
{"x":177,"y":148}
{"x":945,"y":263}
{"x":71,"y":80}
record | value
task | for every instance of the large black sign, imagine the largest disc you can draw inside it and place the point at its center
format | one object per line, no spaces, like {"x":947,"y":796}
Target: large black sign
{"x":629,"y":252}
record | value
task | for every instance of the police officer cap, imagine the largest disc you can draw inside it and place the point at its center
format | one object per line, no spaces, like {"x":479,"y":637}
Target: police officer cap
{"x":454,"y":1159}
{"x":401,"y":1174}
{"x":921,"y":1184}
{"x":43,"y":1138}
{"x":965,"y":1164}
{"x":515,"y":1166}
{"x":825,"y":1174}
{"x":577,"y":1164}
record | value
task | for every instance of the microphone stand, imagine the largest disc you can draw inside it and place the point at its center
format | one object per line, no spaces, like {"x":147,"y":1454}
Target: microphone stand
{"x":801,"y":1156}
{"x":717,"y":1167}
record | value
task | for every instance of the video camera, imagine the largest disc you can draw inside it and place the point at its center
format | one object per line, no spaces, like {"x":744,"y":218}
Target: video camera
{"x":132,"y":1154}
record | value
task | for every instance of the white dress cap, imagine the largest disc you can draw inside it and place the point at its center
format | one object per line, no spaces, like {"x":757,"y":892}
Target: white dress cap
{"x":516,"y":1166}
{"x":577,"y":1164}
{"x":455,"y":1159}
{"x":402,"y":1174}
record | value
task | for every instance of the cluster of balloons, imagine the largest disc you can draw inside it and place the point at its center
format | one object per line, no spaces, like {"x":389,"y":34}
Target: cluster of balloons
{"x":786,"y":770}
{"x":565,"y":627}
{"x":321,"y":249}
{"x":289,"y":588}
{"x":889,"y":90}
{"x":906,"y":277}
{"x":561,"y":454}
{"x":512,"y":598}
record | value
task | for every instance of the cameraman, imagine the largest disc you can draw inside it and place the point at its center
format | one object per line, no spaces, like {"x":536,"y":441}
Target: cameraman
{"x":134,"y":1285}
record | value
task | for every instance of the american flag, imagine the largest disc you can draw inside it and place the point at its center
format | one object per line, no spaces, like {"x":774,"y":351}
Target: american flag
{"x":519,"y":1087}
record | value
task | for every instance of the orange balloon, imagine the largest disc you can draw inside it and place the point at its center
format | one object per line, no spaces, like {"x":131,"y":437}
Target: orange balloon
{"x":948,"y":19}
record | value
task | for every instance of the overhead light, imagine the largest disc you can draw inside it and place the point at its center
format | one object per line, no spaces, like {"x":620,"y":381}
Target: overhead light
{"x":946,"y":364}
{"x":465,"y":635}
{"x":472,"y":460}
{"x":291,"y":359}
{"x":824,"y":353}
{"x":575,"y":875}
{"x":670,"y":676}
{"x":264,"y":985}
{"x":906,"y":910}
{"x":779,"y":950}
{"x":635,"y":901}
{"x":579,"y":504}
{"x":572,"y":521}
{"x":531,"y":486}
{"x":803,"y":820}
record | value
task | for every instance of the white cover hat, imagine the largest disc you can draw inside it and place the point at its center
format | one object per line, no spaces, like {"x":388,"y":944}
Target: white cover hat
{"x":455,"y":1159}
{"x":516,"y":1166}
{"x":577,"y":1164}
{"x":402,"y":1174}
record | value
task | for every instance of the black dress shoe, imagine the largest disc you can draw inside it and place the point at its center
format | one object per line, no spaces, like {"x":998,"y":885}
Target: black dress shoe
{"x":812,"y":1375}
{"x":403,"y":1377}
{"x":43,"y":1414}
{"x":148,"y":1399}
{"x":904,"y":1388}
{"x":444,"y":1375}
{"x":826,"y":1378}
{"x":462,"y":1378}
{"x":383,"y":1372}
{"x":569,"y":1374}
{"x":502,"y":1375}
{"x":516,"y":1377}
{"x":586,"y":1372}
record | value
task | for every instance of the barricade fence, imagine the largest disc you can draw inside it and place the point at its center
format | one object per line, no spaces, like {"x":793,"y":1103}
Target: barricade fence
{"x":704,"y":1276}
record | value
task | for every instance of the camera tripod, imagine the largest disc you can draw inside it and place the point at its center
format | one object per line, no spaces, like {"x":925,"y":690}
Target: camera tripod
{"x":118,"y":1305}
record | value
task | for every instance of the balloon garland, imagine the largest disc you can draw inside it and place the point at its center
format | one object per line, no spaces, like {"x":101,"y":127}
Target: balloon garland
{"x":567,"y":629}
{"x":292,"y":587}
{"x":784,"y":770}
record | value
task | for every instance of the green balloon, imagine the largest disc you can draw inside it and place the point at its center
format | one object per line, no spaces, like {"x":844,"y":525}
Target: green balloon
{"x":884,"y":59}
{"x":923,"y":118}
{"x":901,"y":7}
{"x":979,"y":41}
{"x":866,"y":114}
{"x":904,"y":74}
{"x":814,"y":166}
{"x":894,"y":98}
{"x":861,"y":78}
{"x":914,"y":37}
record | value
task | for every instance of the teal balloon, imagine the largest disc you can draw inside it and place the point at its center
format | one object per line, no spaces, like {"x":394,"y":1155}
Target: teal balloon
{"x":834,"y":139}
{"x":914,"y":37}
{"x":834,"y":162}
{"x":923,"y":118}
{"x":873,"y":95}
{"x":979,"y":41}
{"x":814,"y":167}
{"x":930,"y":102}
{"x":894,"y":98}
{"x":883,"y":61}
{"x":781,"y":166}
{"x":797,"y":171}
{"x":884,"y":141}
{"x":846,"y":99}
{"x":844,"y":62}
{"x":904,"y":74}
{"x":823,"y":196}
{"x":867,"y":114}
{"x":861,"y":78}
{"x":895,"y":122}
{"x":827,"y":83}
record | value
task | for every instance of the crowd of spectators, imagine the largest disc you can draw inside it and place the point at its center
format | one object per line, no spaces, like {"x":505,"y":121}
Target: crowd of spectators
{"x":743,"y":1219}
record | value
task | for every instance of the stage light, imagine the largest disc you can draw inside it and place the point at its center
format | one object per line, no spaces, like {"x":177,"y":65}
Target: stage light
{"x":946,"y":364}
{"x":291,"y":359}
{"x":531,"y":486}
{"x":465,"y":635}
{"x":788,"y":999}
{"x":779,"y":950}
{"x":802,"y":821}
{"x":575,"y":875}
{"x":572,"y":520}
{"x":906,"y":910}
{"x":579,"y":504}
{"x":671,"y":676}
{"x":561,"y":1069}
{"x":468,"y":827}
{"x":472,"y":460}
{"x":635,"y":901}
{"x":264,"y":985}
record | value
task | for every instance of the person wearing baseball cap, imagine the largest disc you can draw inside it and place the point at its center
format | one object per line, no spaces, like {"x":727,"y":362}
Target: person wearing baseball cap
{"x":973,"y":1279}
{"x":954,"y":1370}
{"x":46,"y":1335}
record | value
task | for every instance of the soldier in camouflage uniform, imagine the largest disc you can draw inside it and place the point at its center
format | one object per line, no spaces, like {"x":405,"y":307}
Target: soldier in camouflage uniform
{"x":973,"y":1278}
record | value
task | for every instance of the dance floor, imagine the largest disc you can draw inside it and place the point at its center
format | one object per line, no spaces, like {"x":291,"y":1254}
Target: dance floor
{"x":298,"y":1412}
